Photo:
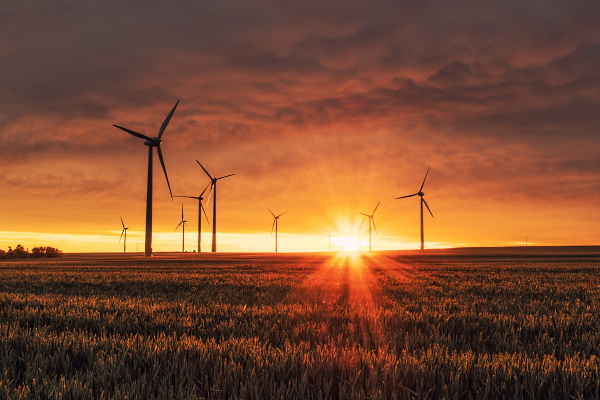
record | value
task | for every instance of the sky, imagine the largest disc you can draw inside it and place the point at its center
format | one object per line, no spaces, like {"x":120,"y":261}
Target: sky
{"x":321,"y":109}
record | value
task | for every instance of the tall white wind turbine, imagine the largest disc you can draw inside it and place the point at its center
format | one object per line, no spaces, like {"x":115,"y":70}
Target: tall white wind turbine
{"x":422,"y":196}
{"x":182,"y":224}
{"x":152,"y":142}
{"x":213,"y":190}
{"x":275,"y":225}
{"x":371,"y":222}
{"x":124,"y":232}
{"x":200,"y":211}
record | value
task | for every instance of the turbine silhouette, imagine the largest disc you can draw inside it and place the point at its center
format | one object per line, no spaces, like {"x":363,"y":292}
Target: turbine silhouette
{"x":371,"y":222}
{"x":213,"y":190}
{"x":360,"y":235}
{"x":275,"y":224}
{"x":123,"y":232}
{"x":152,"y":142}
{"x":421,"y":195}
{"x":182,"y":224}
{"x":200,"y":211}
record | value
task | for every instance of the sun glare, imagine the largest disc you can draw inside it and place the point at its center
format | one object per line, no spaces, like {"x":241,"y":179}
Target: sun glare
{"x":346,"y":243}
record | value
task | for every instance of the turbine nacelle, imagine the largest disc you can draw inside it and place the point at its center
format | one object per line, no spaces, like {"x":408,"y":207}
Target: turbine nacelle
{"x":153,"y":142}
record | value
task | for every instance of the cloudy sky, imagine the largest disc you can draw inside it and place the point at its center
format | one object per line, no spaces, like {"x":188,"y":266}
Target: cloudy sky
{"x":320,"y":108}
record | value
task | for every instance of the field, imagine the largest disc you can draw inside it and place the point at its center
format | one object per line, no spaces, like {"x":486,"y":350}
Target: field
{"x":462,"y":324}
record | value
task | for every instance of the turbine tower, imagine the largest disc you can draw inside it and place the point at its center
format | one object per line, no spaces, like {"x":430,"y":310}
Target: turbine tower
{"x":124,"y":232}
{"x":182,"y":223}
{"x":275,"y":224}
{"x":371,"y":222}
{"x":152,"y":142}
{"x":200,"y":211}
{"x":213,"y":190}
{"x":421,"y":195}
{"x":360,"y":236}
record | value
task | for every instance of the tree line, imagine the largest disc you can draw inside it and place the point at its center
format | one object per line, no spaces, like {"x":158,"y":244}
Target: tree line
{"x":36,"y":252}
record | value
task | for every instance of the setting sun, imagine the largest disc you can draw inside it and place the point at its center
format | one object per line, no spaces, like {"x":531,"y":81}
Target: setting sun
{"x":346,"y":243}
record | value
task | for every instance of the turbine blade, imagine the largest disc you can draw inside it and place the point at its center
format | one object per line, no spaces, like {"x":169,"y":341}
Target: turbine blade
{"x":204,"y":170}
{"x":210,"y":192}
{"x":423,"y":184}
{"x":226,"y":176}
{"x":366,"y":215}
{"x":426,"y":205}
{"x":134,"y":133}
{"x":204,"y":190}
{"x":162,"y":163}
{"x":273,"y":226}
{"x":122,"y":223}
{"x":271,"y":212}
{"x":376,"y":208}
{"x":404,"y":197}
{"x":373,"y":220}
{"x":206,"y":216}
{"x":188,"y":197}
{"x":122,"y":232}
{"x":166,"y":122}
{"x":182,"y":212}
{"x":178,"y":226}
{"x":363,"y":220}
{"x":281,"y":214}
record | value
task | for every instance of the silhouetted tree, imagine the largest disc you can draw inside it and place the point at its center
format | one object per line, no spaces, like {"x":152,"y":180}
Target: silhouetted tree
{"x":53,"y":253}
{"x":36,"y":252}
{"x":20,"y":252}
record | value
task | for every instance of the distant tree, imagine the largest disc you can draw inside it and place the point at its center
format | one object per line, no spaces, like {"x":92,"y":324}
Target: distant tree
{"x":36,"y":252}
{"x":53,"y":253}
{"x":20,"y":252}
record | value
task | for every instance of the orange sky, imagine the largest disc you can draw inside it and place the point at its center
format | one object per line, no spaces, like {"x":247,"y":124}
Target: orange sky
{"x":321,"y":109}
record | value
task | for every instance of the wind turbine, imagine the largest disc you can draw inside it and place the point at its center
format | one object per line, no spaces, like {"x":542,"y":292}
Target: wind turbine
{"x":275,"y":223}
{"x":213,"y":189}
{"x":421,"y":195}
{"x":360,"y":236}
{"x":182,"y":223}
{"x":200,"y":211}
{"x":371,"y":222}
{"x":152,"y":142}
{"x":123,"y":232}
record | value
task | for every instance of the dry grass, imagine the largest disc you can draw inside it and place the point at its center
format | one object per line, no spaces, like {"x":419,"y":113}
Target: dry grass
{"x":390,"y":326}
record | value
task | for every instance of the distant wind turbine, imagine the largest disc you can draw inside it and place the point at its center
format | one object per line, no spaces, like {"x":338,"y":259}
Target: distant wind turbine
{"x":421,"y":195}
{"x":360,"y":236}
{"x":182,"y":224}
{"x":123,"y":232}
{"x":275,"y":224}
{"x":213,"y":190}
{"x":152,"y":142}
{"x":200,"y":211}
{"x":371,"y":222}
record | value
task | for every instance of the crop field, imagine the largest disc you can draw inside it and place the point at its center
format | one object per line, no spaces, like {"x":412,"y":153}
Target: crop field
{"x":398,"y":325}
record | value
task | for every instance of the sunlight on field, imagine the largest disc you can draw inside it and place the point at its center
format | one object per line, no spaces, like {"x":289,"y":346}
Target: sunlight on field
{"x":344,"y":325}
